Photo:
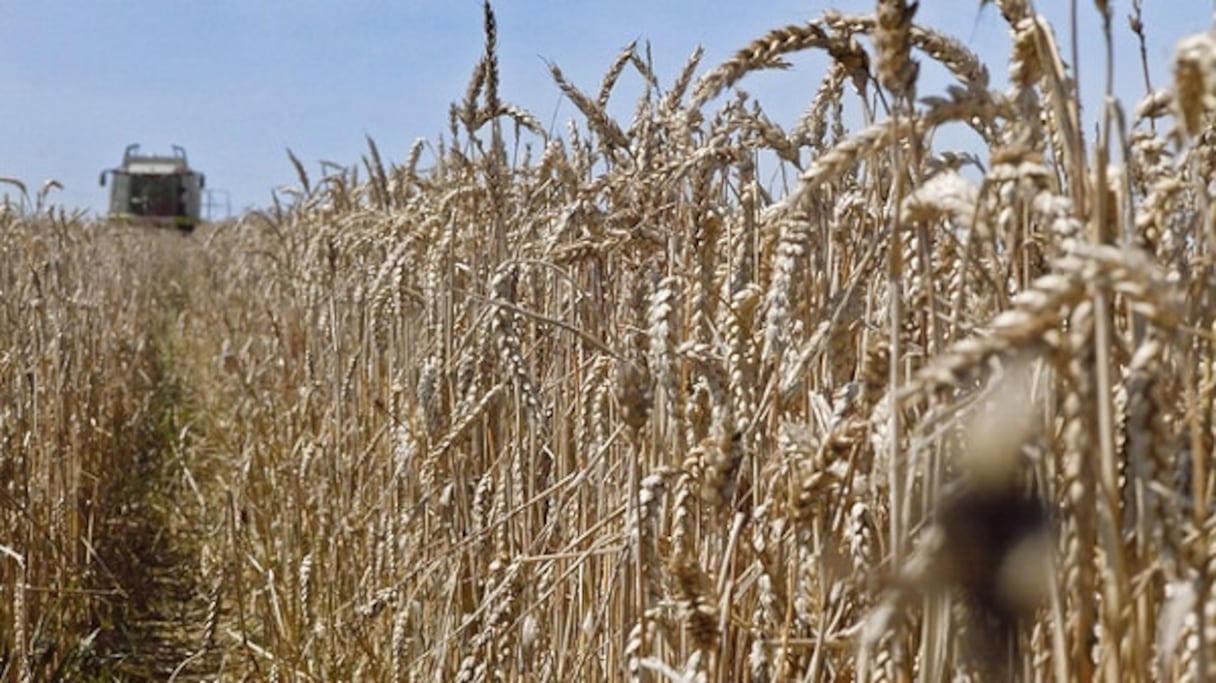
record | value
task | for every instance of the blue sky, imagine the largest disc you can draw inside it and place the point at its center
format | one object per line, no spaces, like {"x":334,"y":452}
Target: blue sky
{"x":237,"y":82}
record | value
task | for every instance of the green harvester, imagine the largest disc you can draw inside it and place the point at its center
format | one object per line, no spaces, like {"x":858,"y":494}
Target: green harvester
{"x":155,"y":190}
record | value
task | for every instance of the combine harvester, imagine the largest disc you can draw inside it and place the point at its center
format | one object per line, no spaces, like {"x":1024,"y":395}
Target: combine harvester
{"x":155,"y":190}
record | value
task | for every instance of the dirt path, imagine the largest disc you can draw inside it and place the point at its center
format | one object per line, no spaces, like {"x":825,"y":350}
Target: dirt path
{"x":157,"y":625}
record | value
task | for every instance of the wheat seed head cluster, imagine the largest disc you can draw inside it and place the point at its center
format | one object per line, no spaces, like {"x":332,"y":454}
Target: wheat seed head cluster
{"x":685,"y":395}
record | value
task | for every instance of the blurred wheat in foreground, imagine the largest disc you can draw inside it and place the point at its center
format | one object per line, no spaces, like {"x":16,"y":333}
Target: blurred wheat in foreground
{"x":688,"y":397}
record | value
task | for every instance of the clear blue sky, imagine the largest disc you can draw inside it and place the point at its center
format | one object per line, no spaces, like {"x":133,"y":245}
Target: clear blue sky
{"x":237,"y":82}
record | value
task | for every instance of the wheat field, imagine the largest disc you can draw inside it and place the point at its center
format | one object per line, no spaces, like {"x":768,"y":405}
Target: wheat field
{"x":692,"y":396}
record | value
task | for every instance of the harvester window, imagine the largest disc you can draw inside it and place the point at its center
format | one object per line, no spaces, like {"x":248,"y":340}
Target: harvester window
{"x":154,"y":195}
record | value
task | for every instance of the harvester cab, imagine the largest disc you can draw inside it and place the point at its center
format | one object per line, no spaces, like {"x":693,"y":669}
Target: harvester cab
{"x":157,"y":190}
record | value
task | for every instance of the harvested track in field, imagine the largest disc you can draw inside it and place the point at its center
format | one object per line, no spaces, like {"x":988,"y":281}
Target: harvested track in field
{"x":159,"y":614}
{"x":158,"y":623}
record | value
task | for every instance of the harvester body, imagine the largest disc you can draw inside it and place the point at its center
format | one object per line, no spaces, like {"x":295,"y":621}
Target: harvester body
{"x":157,"y":190}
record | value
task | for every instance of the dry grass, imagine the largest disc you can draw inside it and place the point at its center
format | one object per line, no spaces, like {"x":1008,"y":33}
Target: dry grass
{"x":608,"y":405}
